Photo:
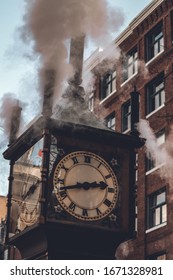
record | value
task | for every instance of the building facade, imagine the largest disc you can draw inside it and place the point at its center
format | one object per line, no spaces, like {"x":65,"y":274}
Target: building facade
{"x":3,"y":210}
{"x":145,"y":61}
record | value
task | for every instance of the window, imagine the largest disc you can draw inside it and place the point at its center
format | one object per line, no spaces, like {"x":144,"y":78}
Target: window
{"x":155,"y":94}
{"x":126,"y":116}
{"x":111,"y":121}
{"x":154,"y":43}
{"x":91,"y":102}
{"x":108,"y":84}
{"x":157,"y":209}
{"x":160,"y":140}
{"x":130,"y":64}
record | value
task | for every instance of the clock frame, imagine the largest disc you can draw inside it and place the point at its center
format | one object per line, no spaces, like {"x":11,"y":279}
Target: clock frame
{"x":85,"y":186}
{"x":103,"y":233}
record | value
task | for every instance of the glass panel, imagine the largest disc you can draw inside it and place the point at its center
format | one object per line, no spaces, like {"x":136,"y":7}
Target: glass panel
{"x":156,"y":48}
{"x":26,"y":189}
{"x":160,"y":139}
{"x":111,"y":123}
{"x":157,"y":217}
{"x":157,"y":101}
{"x":159,"y":86}
{"x":114,"y":85}
{"x":114,"y":74}
{"x":164,"y":213}
{"x":130,"y":70}
{"x":162,"y":97}
{"x":130,"y":59}
{"x":161,"y":44}
{"x":126,"y":117}
{"x":160,"y":198}
{"x":128,"y":121}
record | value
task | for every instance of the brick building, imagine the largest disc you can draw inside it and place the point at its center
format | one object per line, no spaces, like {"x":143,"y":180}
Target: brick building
{"x":145,"y":61}
{"x":3,"y":210}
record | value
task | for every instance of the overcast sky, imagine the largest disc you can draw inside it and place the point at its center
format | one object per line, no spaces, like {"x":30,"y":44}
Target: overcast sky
{"x":17,"y":71}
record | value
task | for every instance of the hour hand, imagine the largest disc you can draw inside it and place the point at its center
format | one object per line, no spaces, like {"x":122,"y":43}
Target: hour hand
{"x":86,"y":186}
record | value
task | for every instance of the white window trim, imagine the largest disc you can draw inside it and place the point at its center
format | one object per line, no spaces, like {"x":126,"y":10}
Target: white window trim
{"x":153,"y":112}
{"x":126,"y":131}
{"x":156,"y":227}
{"x":154,"y":169}
{"x":148,"y":62}
{"x":107,"y":97}
{"x":131,"y":77}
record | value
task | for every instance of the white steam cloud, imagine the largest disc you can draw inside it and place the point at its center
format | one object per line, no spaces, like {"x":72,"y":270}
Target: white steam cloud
{"x":49,"y":24}
{"x":162,"y":155}
{"x":48,"y":27}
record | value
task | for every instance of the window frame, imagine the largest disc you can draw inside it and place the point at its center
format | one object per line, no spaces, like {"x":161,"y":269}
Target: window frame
{"x":126,"y":116}
{"x":91,"y":102}
{"x":155,"y":94}
{"x":155,"y":210}
{"x":130,"y":64}
{"x":108,"y":84}
{"x":108,"y":119}
{"x":150,"y":165}
{"x":154,"y":42}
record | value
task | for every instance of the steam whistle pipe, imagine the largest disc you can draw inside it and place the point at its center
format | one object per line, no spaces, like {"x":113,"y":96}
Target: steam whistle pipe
{"x":76,"y":58}
{"x":47,"y":112}
{"x":15,"y":123}
{"x":134,"y":112}
{"x":48,"y":93}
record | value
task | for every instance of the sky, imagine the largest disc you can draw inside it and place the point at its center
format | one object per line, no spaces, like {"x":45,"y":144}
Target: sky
{"x":18,"y":70}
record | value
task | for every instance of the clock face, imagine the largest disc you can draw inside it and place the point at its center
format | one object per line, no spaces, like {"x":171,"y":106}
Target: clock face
{"x":85,"y":186}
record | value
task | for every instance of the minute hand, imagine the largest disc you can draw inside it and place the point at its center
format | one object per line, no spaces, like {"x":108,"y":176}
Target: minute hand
{"x":86,"y":186}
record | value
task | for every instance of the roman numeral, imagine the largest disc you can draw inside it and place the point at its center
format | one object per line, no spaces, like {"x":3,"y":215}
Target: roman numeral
{"x":65,"y":168}
{"x":84,"y":212}
{"x":98,"y":211}
{"x":99,"y":165}
{"x":63,"y":194}
{"x":61,"y":181}
{"x":107,"y":202}
{"x":75,"y":161}
{"x":108,"y":176}
{"x":111,"y":190}
{"x":87,"y":159}
{"x":72,"y":206}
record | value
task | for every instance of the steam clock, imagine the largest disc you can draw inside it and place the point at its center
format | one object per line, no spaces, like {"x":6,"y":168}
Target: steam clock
{"x":73,"y":193}
{"x":81,"y":205}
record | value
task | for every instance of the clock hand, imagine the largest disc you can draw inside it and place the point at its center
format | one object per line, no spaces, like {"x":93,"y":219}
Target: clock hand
{"x":86,"y":185}
{"x":77,"y":186}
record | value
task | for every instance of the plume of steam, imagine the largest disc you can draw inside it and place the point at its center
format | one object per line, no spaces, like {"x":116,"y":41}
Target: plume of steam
{"x":7,"y":104}
{"x":49,"y":24}
{"x":106,"y":59}
{"x":124,"y":250}
{"x":162,"y":155}
{"x":6,"y":110}
{"x":143,"y":69}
